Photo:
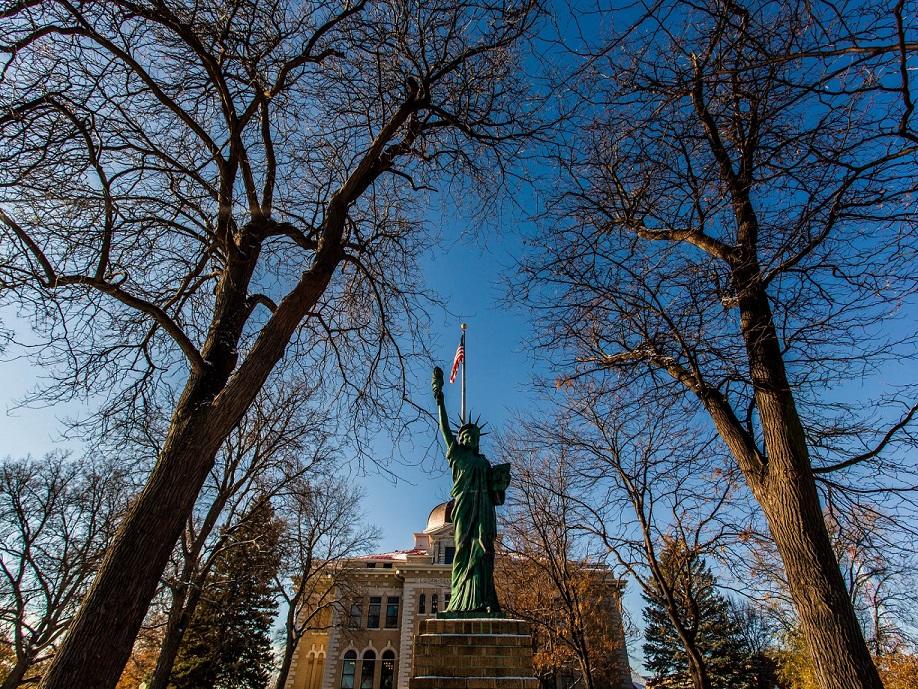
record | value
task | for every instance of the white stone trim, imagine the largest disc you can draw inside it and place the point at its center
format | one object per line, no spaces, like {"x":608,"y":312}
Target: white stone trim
{"x":405,"y":651}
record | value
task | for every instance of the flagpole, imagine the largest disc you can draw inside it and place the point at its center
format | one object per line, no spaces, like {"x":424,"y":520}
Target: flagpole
{"x":465,"y":358}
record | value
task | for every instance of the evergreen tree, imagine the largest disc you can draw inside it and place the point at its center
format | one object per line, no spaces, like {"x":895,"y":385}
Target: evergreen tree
{"x":228,"y":642}
{"x":706,"y":615}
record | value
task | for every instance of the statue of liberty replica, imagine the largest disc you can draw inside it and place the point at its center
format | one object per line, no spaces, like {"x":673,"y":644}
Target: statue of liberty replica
{"x":477,"y":489}
{"x":441,"y":646}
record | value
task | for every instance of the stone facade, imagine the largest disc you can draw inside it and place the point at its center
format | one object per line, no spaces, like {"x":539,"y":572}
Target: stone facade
{"x":367,"y":639}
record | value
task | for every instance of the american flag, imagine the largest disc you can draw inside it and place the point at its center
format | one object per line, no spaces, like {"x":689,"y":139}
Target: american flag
{"x":460,"y":357}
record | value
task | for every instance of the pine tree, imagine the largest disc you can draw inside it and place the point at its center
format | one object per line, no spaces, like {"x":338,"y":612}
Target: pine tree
{"x":705,"y":613}
{"x":228,"y":642}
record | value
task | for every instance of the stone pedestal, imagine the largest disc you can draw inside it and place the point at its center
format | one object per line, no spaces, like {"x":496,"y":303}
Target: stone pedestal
{"x":484,"y":653}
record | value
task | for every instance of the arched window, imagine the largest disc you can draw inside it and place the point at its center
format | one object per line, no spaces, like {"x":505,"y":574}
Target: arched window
{"x":368,"y":670}
{"x":387,"y":676}
{"x":422,"y":604}
{"x":434,"y":603}
{"x":348,"y":670}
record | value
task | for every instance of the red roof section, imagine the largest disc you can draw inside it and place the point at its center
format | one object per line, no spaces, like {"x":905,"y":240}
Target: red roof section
{"x":394,"y":555}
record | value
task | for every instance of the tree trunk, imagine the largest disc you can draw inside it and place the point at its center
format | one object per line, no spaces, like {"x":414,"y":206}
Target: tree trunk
{"x":787,"y":493}
{"x":583,"y":656}
{"x":287,"y":661}
{"x":18,"y":671}
{"x":101,"y":636}
{"x":698,"y":674}
{"x":829,"y":625}
{"x":698,"y":671}
{"x":172,"y":639}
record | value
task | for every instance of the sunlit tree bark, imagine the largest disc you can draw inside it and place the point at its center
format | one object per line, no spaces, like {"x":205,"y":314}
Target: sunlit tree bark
{"x":735,"y":228}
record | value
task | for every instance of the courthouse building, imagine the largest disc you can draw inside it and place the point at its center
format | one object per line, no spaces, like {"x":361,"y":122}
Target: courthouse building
{"x":368,"y":641}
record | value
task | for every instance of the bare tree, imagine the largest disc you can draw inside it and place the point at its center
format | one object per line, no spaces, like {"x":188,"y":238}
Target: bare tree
{"x":323,"y":526}
{"x":878,"y":566}
{"x":639,"y":482}
{"x":187,"y":188}
{"x":283,"y":437}
{"x":548,"y":574}
{"x":57,"y":516}
{"x":736,"y":230}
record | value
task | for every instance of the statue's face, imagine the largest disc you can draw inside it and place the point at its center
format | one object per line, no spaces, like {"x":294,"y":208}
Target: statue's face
{"x":469,"y":436}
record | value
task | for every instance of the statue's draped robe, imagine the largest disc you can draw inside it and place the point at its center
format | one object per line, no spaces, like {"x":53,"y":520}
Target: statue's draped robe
{"x":476,"y":527}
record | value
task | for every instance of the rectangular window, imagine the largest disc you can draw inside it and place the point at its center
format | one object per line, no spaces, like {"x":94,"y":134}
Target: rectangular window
{"x":446,"y":600}
{"x":356,"y":615}
{"x":373,"y":612}
{"x":391,"y":612}
{"x":434,"y":601}
{"x":449,"y":555}
{"x":422,"y":604}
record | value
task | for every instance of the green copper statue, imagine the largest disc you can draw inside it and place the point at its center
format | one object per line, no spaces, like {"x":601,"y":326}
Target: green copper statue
{"x":477,"y":488}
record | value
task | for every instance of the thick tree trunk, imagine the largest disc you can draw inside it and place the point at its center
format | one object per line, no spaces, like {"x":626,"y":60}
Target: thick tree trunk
{"x":823,"y":607}
{"x":787,"y":493}
{"x":114,"y":608}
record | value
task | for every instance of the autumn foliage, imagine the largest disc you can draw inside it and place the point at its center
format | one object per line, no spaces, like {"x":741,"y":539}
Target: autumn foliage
{"x":581,"y":614}
{"x":898,"y":669}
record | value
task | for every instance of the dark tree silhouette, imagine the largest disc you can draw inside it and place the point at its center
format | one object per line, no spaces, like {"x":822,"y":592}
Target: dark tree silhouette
{"x":188,"y":188}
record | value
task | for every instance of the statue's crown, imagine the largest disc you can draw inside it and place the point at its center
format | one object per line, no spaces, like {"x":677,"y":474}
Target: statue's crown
{"x":476,"y":424}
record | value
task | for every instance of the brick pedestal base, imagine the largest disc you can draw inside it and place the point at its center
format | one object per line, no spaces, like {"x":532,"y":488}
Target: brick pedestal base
{"x":473,"y":654}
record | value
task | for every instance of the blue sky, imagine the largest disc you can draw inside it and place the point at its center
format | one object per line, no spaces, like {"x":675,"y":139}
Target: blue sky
{"x":466,"y":274}
{"x":465,"y":271}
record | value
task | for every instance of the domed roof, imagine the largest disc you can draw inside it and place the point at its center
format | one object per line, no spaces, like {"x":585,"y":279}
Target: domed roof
{"x":439,"y":516}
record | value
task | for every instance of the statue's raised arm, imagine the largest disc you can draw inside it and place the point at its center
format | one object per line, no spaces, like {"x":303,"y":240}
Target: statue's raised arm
{"x":437,"y":386}
{"x":477,"y":488}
